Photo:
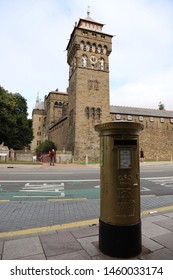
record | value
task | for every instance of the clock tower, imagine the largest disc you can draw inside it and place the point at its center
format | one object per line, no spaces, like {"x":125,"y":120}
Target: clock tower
{"x":88,"y":53}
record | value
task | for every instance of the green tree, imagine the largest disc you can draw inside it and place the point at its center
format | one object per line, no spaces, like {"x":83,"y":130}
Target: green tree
{"x":15,"y":128}
{"x":45,"y":147}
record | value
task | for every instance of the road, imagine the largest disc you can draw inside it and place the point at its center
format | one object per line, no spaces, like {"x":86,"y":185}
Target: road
{"x":38,"y":183}
{"x":43,"y":196}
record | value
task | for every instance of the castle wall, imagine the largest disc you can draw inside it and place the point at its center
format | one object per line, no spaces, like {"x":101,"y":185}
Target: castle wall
{"x":59,"y":134}
{"x":38,"y":125}
{"x":156,"y":138}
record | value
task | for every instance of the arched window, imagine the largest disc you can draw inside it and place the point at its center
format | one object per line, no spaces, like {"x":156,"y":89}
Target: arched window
{"x":93,"y":113}
{"x":98,"y":113}
{"x":84,"y":60}
{"x":99,"y":48}
{"x":82,"y":45}
{"x":102,"y":63}
{"x":88,"y":47}
{"x":94,"y":48}
{"x":87,"y":112}
{"x":105,"y":49}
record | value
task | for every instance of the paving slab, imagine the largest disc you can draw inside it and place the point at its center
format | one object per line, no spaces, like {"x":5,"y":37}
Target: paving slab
{"x":34,"y":257}
{"x":1,"y":247}
{"x":84,"y":232}
{"x":168,"y":224}
{"x":162,"y":254}
{"x":166,"y":240}
{"x":150,"y":244}
{"x":169,"y":214}
{"x":151,"y":230}
{"x":59,"y":243}
{"x":87,"y":244}
{"x":20,"y":248}
{"x":77,"y":255}
{"x":155,"y":218}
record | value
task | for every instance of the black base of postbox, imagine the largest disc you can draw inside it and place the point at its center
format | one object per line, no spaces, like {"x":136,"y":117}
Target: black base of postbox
{"x":121,"y":241}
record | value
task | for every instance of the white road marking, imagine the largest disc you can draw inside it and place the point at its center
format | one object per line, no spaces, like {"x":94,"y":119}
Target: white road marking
{"x":53,"y":181}
{"x":58,"y":188}
{"x":144,"y":189}
{"x":163,"y":181}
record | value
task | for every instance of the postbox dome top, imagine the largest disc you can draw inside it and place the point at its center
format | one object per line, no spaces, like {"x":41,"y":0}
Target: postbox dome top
{"x":123,"y":127}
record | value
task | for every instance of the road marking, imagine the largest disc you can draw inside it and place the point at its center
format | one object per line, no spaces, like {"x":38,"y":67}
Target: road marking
{"x":163,"y":181}
{"x":37,"y":173}
{"x":148,"y":195}
{"x":160,"y":209}
{"x":37,"y":196}
{"x":49,"y":228}
{"x":144,"y":189}
{"x":53,"y":181}
{"x":66,"y":199}
{"x":58,"y":188}
{"x":159,"y":178}
{"x":43,"y":186}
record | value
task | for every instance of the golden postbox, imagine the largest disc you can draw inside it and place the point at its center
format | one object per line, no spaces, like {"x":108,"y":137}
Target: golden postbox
{"x":120,"y":222}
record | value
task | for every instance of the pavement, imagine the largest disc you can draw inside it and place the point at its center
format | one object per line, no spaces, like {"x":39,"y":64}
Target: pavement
{"x":78,"y":240}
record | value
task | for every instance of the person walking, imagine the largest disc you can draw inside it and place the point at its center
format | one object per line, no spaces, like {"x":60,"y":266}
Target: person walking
{"x":52,"y":157}
{"x":141,"y":155}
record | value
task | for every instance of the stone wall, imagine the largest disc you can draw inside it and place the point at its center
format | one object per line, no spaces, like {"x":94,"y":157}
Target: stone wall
{"x":38,"y":125}
{"x":156,"y":138}
{"x":59,"y":133}
{"x":23,"y":156}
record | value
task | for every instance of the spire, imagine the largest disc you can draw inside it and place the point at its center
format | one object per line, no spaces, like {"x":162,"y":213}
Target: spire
{"x":88,"y":11}
{"x":88,"y":15}
{"x":37,"y":101}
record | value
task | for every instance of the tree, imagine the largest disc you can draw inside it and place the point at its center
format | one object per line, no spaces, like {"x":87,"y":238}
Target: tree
{"x":15,"y":129}
{"x":161,"y":106}
{"x":45,"y":147}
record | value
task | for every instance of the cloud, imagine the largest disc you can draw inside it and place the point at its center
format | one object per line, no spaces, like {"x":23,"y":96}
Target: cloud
{"x":147,"y":93}
{"x":35,"y":33}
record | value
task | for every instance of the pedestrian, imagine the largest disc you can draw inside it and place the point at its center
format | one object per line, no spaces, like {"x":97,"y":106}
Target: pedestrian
{"x":141,"y":155}
{"x":52,"y":157}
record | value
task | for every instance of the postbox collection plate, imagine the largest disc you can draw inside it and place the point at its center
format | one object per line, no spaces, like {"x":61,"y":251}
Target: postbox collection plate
{"x":125,"y":158}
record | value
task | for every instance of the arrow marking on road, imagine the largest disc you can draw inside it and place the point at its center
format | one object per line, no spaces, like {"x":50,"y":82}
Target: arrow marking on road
{"x":58,"y":188}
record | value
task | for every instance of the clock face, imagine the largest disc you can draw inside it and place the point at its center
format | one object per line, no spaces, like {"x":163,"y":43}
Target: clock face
{"x":93,"y":59}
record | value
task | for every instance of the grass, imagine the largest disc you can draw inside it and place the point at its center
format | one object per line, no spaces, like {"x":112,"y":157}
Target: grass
{"x":18,"y":162}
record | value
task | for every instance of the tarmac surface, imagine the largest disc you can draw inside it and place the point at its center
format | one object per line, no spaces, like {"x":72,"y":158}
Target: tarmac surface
{"x":78,"y":239}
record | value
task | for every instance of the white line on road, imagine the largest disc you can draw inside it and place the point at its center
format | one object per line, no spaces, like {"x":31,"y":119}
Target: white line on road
{"x":53,"y":181}
{"x":144,"y":189}
{"x":42,"y":196}
{"x":43,"y":186}
{"x":158,"y":178}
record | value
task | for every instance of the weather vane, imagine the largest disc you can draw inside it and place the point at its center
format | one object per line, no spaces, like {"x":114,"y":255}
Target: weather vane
{"x":88,"y":11}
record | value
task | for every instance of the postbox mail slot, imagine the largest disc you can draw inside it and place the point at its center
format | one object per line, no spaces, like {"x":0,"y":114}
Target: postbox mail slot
{"x":125,"y":142}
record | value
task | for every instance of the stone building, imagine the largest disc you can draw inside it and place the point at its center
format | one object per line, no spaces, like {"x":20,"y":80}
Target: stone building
{"x":68,"y":118}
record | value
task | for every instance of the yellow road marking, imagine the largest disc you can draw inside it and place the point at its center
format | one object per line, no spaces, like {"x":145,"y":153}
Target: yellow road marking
{"x":148,"y":195}
{"x":65,"y":199}
{"x":4,"y":200}
{"x":161,"y":209}
{"x":49,"y":228}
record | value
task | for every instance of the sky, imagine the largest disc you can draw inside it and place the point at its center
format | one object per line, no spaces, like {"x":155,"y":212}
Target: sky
{"x":34,"y":35}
